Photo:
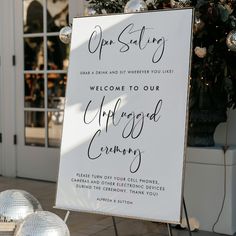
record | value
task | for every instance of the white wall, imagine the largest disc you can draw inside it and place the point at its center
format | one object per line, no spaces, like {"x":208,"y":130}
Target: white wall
{"x":226,"y":132}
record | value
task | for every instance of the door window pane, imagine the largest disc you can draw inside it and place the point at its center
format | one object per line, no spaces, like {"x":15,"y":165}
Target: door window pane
{"x":56,"y":90}
{"x":34,"y":128}
{"x":34,"y":90}
{"x":57,"y":14}
{"x":34,"y":56}
{"x":57,"y":54}
{"x":44,"y":54}
{"x":55,"y":120}
{"x":33,"y":16}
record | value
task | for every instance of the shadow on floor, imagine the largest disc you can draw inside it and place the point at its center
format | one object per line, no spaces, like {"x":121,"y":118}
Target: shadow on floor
{"x":84,"y":224}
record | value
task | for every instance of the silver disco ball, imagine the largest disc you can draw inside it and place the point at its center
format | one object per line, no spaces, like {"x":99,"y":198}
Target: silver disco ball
{"x":15,"y":205}
{"x":65,"y":34}
{"x":135,"y":6}
{"x":43,"y":223}
{"x":231,"y":40}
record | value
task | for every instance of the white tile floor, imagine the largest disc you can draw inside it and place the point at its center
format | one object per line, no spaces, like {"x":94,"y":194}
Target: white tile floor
{"x":84,"y":224}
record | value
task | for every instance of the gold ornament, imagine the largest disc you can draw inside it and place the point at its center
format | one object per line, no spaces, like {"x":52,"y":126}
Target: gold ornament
{"x":200,"y":52}
{"x":231,"y":40}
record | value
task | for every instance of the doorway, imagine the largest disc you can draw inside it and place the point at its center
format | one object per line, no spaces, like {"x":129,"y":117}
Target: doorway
{"x":41,"y":74}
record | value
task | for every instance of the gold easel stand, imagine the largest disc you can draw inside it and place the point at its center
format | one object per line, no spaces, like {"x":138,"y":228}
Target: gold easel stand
{"x":168,"y":225}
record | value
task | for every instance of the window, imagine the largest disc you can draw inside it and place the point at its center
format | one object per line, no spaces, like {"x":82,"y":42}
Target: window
{"x":45,"y":67}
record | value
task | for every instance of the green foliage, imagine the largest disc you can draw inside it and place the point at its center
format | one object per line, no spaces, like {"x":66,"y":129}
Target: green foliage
{"x":213,"y":83}
{"x":108,"y":6}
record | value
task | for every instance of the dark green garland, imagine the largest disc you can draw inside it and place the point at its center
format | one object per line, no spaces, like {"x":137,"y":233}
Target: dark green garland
{"x":213,"y":71}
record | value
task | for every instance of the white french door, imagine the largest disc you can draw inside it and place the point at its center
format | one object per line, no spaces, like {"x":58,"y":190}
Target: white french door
{"x":41,"y":71}
{"x":7,"y":89}
{"x":1,"y":111}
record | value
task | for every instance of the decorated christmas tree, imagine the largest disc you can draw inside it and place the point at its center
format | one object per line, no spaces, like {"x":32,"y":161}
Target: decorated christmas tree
{"x":213,"y":72}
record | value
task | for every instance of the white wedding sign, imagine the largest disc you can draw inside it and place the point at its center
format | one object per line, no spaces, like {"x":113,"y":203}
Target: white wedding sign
{"x":124,"y":132}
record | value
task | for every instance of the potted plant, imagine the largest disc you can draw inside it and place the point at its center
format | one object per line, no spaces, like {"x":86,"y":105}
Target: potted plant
{"x":213,"y":84}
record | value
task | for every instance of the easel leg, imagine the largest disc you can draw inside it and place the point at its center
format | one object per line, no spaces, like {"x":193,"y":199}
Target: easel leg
{"x":66,"y":216}
{"x":187,"y":220}
{"x":114,"y":224}
{"x":170,"y":233}
{"x":169,"y":230}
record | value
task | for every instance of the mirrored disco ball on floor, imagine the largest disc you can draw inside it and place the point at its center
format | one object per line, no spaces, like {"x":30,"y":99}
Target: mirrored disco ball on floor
{"x":15,"y":205}
{"x":43,"y":223}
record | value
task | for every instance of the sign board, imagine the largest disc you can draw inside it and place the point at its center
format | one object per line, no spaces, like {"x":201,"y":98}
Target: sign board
{"x":123,"y":141}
